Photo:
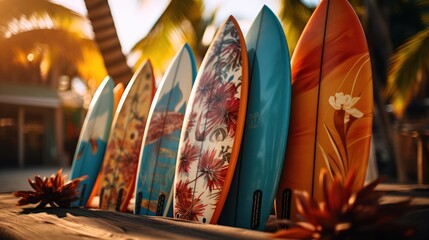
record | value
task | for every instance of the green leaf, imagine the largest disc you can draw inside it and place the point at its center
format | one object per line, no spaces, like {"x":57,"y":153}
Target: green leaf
{"x":407,"y":68}
{"x":294,"y":16}
{"x":182,"y":22}
{"x":21,"y":15}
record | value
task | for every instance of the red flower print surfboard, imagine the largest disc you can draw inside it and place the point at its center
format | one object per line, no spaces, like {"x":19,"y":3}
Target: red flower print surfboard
{"x":212,"y":128}
{"x":123,"y":148}
{"x":332,"y":105}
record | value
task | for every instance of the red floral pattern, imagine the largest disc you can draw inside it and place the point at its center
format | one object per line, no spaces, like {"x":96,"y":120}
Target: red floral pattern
{"x":226,"y":114}
{"x":222,"y":93}
{"x":188,"y":207}
{"x":188,"y":155}
{"x":209,"y":128}
{"x":123,"y":149}
{"x":213,"y":170}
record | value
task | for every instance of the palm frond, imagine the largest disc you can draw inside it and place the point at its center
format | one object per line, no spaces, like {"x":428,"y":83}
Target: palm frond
{"x":294,"y":16}
{"x":22,"y":15}
{"x":57,"y":39}
{"x":424,"y":6}
{"x":407,"y":70}
{"x":180,"y":23}
{"x":57,"y":48}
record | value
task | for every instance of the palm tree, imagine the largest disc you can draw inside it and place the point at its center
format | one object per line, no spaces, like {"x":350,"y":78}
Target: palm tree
{"x":410,"y":65}
{"x":181,"y":22}
{"x":34,"y":37}
{"x":294,"y":16}
{"x":41,"y":41}
{"x":107,"y":40}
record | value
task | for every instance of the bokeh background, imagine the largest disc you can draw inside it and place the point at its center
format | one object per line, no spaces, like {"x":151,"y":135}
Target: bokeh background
{"x":54,"y":54}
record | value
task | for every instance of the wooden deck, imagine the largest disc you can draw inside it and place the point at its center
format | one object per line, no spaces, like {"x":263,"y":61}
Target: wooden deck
{"x":79,"y":223}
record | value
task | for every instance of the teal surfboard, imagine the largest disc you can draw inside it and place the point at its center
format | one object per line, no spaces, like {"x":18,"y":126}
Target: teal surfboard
{"x":157,"y":163}
{"x":250,"y":199}
{"x":92,"y":140}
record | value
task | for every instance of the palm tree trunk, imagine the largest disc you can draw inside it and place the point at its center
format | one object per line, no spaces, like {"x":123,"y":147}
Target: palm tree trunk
{"x":107,"y":40}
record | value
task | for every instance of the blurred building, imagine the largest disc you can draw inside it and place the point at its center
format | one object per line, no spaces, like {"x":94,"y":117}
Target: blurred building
{"x":39,"y":123}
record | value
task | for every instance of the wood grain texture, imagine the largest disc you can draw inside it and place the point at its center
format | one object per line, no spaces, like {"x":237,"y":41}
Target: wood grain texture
{"x":80,"y":223}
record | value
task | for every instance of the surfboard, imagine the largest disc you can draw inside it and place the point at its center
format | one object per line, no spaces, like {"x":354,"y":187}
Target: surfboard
{"x":212,"y":129}
{"x":117,"y":94}
{"x":332,"y":105}
{"x":123,"y":148}
{"x":155,"y":176}
{"x":92,"y":141}
{"x":94,"y":199}
{"x":251,"y":196}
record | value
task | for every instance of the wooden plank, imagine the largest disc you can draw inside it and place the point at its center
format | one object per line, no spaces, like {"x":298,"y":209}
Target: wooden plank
{"x":79,"y":223}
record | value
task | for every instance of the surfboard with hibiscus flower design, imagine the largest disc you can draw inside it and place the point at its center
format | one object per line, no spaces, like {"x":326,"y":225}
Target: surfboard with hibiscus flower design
{"x":155,"y":176}
{"x":212,"y":128}
{"x":91,"y":146}
{"x":332,"y":104}
{"x":123,"y":148}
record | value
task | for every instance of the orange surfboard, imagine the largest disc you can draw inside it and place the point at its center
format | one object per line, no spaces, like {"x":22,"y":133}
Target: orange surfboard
{"x":332,"y":105}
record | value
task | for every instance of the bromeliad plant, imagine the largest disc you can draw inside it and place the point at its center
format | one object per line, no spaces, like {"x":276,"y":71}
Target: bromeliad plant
{"x":346,"y":214}
{"x":50,"y":191}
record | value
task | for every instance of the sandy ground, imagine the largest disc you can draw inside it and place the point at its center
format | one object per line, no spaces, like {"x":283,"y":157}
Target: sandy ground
{"x":16,"y":179}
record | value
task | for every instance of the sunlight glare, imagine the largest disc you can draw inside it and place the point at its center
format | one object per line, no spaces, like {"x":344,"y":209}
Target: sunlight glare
{"x":23,"y":24}
{"x":208,"y":35}
{"x":30,"y":57}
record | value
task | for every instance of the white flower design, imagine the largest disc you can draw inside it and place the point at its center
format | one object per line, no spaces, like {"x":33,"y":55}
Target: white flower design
{"x":345,"y":102}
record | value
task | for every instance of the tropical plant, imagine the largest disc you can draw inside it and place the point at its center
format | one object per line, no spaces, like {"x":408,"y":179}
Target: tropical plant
{"x":294,"y":16}
{"x":35,"y":37}
{"x":107,"y":40}
{"x":181,"y":22}
{"x":410,"y":65}
{"x":54,"y":191}
{"x":347,"y":214}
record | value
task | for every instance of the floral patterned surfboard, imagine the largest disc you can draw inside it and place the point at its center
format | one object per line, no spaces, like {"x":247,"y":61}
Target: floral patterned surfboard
{"x":155,"y":176}
{"x":92,"y":140}
{"x":332,"y":104}
{"x":123,"y":148}
{"x":213,"y":128}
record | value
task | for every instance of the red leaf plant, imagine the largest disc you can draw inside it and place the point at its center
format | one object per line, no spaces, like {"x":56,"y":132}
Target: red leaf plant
{"x":345,"y":214}
{"x":52,"y":191}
